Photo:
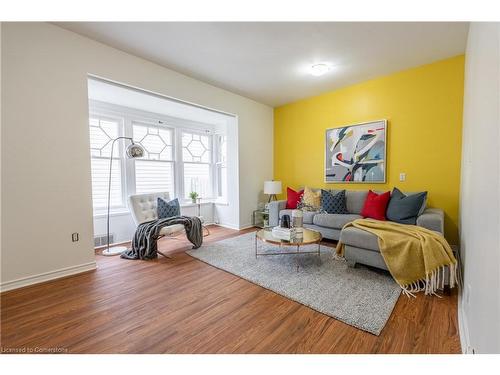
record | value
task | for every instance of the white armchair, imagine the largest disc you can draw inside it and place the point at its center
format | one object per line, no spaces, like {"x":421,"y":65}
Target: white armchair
{"x":144,"y":208}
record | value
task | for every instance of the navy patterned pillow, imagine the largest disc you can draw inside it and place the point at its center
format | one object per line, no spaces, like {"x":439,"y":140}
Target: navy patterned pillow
{"x":333,"y":203}
{"x":168,"y":209}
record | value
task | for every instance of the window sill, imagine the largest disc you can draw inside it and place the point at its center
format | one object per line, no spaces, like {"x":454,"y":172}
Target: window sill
{"x":189,"y":204}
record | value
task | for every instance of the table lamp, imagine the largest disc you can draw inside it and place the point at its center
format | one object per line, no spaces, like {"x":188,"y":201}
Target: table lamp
{"x":272,"y":188}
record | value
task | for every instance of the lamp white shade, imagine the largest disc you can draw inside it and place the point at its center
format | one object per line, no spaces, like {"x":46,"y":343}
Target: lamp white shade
{"x":272,"y":187}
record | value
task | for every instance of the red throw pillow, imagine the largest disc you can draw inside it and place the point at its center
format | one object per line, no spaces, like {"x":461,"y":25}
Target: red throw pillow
{"x":293,"y":198}
{"x":376,"y":205}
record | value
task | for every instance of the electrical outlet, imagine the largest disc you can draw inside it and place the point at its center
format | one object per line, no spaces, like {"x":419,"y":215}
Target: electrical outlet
{"x":74,"y":237}
{"x":402,"y":176}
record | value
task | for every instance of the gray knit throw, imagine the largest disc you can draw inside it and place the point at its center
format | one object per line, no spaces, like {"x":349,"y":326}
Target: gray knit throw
{"x":144,"y":244}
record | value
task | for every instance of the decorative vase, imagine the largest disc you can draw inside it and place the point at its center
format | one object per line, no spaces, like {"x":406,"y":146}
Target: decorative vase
{"x":297,"y":218}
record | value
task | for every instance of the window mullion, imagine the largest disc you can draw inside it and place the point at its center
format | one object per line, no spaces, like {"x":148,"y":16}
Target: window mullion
{"x":179,"y":164}
{"x":129,"y":163}
{"x":214,"y":174}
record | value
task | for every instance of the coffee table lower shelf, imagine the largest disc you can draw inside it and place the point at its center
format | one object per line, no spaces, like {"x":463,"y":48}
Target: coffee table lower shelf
{"x":310,"y":237}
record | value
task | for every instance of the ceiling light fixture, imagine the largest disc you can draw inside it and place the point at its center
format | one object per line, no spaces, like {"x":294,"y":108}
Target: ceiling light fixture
{"x":319,"y":69}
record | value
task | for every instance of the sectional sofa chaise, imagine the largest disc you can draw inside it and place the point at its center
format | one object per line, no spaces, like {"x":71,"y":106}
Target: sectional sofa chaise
{"x":360,"y":246}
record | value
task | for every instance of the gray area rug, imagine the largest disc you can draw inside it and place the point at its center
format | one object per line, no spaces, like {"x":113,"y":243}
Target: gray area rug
{"x":361,"y":297}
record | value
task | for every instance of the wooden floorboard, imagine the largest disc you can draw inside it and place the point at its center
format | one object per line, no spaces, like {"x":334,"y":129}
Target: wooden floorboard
{"x":182,"y":305}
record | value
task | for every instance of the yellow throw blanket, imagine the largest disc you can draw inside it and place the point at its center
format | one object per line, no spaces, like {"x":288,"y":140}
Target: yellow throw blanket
{"x":416,"y":257}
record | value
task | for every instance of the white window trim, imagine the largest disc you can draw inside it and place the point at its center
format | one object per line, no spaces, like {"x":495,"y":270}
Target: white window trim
{"x":117,"y":155}
{"x":219,"y":199}
{"x":127,"y":116}
{"x":131,"y":163}
{"x":211,"y":164}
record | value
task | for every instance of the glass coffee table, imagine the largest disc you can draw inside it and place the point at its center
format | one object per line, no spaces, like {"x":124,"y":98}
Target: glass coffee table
{"x":309,"y":237}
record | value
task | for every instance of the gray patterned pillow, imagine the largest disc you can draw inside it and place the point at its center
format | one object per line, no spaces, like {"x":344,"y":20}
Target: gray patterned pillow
{"x":404,"y":208}
{"x":333,"y":203}
{"x":168,"y":209}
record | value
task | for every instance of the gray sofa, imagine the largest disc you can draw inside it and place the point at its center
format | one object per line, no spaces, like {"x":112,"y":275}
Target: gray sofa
{"x":360,"y":246}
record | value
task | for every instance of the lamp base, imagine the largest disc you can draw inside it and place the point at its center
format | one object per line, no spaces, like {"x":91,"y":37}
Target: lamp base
{"x":115,"y":250}
{"x":272,"y":197}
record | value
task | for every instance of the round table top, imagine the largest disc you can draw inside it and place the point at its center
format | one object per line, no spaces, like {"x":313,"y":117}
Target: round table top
{"x":308,"y":237}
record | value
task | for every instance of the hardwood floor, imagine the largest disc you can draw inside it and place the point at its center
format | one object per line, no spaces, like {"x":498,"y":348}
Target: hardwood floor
{"x":183,"y":305}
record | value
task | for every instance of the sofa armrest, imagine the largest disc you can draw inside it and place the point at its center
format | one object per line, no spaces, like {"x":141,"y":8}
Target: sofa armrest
{"x":433,"y":219}
{"x":274,"y":211}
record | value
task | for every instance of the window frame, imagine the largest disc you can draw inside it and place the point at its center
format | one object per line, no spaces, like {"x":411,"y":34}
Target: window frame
{"x":129,"y":116}
{"x":117,"y":155}
{"x":211,"y":164}
{"x":218,"y":165}
{"x":158,"y":124}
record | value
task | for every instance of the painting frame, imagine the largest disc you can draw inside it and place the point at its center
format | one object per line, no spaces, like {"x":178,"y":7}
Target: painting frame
{"x":375,"y":123}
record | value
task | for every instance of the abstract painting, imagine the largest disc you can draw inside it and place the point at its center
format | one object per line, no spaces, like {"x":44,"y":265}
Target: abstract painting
{"x":356,"y":153}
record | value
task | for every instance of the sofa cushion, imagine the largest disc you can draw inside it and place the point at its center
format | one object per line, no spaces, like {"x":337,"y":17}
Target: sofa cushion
{"x":293,"y":197}
{"x":333,"y":203}
{"x":359,"y":238}
{"x":404,"y":208}
{"x":334,"y":220}
{"x":307,"y":218}
{"x":376,"y":205}
{"x":311,"y":197}
{"x":355,"y":200}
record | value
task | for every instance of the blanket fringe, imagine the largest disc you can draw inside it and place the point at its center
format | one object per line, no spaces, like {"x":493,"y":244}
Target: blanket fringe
{"x":433,"y":281}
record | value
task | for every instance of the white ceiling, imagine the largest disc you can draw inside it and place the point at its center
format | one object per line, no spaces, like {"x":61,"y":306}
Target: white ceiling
{"x":268,"y":61}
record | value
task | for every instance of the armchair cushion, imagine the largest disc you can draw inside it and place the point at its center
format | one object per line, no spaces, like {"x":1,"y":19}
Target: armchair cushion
{"x":144,"y":206}
{"x":168,"y":209}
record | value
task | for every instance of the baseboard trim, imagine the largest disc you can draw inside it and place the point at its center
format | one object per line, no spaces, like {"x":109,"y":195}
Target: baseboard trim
{"x":463,"y":329}
{"x":228,"y":226}
{"x":46,"y":276}
{"x":234,"y":226}
{"x":246,"y":226}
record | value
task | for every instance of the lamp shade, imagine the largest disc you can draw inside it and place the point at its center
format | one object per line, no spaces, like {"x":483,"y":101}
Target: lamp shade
{"x":272,"y":187}
{"x":134,"y":150}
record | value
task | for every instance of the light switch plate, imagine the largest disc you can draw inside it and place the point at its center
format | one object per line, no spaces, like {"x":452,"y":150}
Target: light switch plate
{"x":74,"y":237}
{"x":402,"y":176}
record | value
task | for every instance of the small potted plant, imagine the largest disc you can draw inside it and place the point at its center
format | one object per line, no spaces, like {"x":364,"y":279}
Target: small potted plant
{"x":193,"y":195}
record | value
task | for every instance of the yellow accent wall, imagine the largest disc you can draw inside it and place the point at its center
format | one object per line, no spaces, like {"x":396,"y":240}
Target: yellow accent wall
{"x":423,"y":107}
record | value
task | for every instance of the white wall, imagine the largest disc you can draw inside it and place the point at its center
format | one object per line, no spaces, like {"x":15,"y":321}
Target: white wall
{"x":46,"y":189}
{"x":1,"y":127}
{"x":480,"y":192}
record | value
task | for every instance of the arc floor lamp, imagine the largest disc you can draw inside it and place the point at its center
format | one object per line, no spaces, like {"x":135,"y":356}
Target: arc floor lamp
{"x":132,"y":151}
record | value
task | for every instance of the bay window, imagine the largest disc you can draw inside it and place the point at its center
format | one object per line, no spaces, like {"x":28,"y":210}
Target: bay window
{"x":180,"y":157}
